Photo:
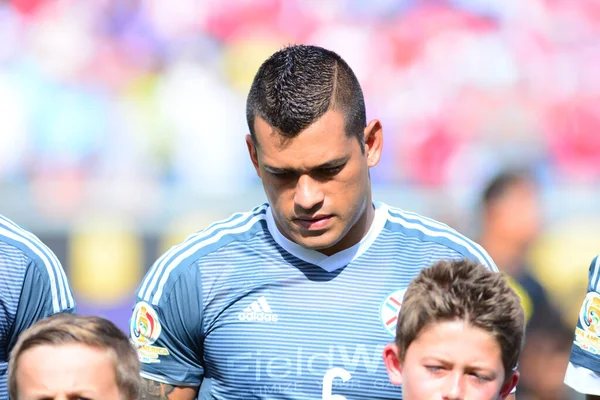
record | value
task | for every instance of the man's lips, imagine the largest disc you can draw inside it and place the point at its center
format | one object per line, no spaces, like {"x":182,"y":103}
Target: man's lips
{"x":313,"y":222}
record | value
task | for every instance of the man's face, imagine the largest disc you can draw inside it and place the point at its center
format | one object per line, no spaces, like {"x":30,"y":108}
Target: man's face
{"x":450,"y":360}
{"x":318,"y":182}
{"x":518,"y":213}
{"x":66,"y":372}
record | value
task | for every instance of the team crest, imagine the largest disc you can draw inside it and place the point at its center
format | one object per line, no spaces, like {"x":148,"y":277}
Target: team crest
{"x":589,"y":316}
{"x":389,"y":311}
{"x":145,"y":327}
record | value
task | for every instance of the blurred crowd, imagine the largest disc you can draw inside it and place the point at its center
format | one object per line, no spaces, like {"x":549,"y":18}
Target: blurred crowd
{"x":124,"y":105}
{"x":143,"y":91}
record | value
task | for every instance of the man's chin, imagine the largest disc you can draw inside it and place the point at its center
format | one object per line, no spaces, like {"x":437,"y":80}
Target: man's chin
{"x":320,"y":243}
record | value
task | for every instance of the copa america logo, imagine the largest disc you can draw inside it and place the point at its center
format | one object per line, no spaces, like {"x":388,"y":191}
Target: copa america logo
{"x":589,"y":316}
{"x":145,"y":327}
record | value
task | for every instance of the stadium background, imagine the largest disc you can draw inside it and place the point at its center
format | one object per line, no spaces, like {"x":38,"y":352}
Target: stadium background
{"x":122,"y":122}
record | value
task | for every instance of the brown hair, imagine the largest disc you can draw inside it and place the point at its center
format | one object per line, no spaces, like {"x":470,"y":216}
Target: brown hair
{"x":463,"y":290}
{"x":95,"y":332}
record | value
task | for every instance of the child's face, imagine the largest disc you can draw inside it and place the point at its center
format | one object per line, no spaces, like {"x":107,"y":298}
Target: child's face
{"x":450,"y":360}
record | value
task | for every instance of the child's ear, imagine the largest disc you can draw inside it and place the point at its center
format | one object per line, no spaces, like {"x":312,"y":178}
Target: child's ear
{"x":392,"y":363}
{"x":509,"y":385}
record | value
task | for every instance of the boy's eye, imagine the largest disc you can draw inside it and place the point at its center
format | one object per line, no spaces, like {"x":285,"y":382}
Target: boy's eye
{"x":480,"y":377}
{"x":433,"y":368}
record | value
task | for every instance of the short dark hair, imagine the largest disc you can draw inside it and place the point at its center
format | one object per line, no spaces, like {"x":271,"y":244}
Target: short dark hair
{"x":463,"y":290}
{"x":299,"y":84}
{"x":502,"y":182}
{"x":97,"y":332}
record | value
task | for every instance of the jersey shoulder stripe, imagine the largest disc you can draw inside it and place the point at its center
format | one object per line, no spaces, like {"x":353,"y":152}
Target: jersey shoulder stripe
{"x":35,"y":249}
{"x":594,"y":275}
{"x":435,"y":231}
{"x":196,"y":246}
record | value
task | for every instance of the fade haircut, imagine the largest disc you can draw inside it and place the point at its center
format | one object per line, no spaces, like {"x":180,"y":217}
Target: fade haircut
{"x":463,"y":290}
{"x":96,"y":332}
{"x":299,"y":84}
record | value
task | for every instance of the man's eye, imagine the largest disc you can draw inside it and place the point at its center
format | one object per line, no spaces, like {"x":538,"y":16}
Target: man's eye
{"x":331,"y":171}
{"x":282,"y":175}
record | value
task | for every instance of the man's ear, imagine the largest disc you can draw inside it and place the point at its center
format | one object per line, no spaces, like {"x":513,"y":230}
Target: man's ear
{"x":509,"y":385}
{"x":373,"y":137}
{"x":253,"y":152}
{"x":391,"y":359}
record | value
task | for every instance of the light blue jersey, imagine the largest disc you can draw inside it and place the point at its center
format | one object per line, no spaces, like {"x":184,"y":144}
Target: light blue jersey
{"x":253,"y":315}
{"x":33,"y":285}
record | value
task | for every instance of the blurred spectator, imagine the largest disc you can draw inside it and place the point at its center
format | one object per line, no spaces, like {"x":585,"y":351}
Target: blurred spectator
{"x":90,"y":88}
{"x":511,"y":221}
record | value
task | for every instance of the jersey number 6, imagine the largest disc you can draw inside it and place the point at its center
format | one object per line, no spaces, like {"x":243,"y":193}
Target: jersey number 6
{"x":328,"y":378}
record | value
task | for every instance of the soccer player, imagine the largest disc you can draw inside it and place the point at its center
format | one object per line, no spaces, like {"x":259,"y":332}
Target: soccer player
{"x":297,"y":298}
{"x":459,"y":334}
{"x":583,"y":371}
{"x":73,"y":357}
{"x":33,"y":285}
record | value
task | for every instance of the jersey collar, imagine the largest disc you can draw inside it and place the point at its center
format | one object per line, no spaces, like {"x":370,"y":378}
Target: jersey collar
{"x":337,"y":260}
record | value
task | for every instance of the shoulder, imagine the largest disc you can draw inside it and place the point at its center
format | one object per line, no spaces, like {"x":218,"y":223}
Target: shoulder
{"x":428,"y":231}
{"x":20,"y":244}
{"x":179,"y":260}
{"x":594,"y":274}
{"x":239,"y":227}
{"x":26,"y":256}
{"x":582,"y":379}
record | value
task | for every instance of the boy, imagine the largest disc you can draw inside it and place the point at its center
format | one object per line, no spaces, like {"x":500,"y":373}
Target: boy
{"x":73,"y":356}
{"x":459,"y":335}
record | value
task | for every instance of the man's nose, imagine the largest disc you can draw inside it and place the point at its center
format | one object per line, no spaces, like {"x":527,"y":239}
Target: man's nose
{"x":308,"y":192}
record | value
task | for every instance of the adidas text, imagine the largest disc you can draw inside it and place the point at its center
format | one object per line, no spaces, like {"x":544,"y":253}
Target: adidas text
{"x":257,"y":317}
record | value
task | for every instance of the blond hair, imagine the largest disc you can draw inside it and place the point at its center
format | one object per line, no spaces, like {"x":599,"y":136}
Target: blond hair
{"x":100,"y":333}
{"x":463,"y":290}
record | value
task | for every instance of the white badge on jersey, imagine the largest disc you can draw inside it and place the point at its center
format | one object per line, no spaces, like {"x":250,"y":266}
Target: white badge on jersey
{"x":388,"y":312}
{"x":145,"y":326}
{"x":588,"y":336}
{"x":145,"y":329}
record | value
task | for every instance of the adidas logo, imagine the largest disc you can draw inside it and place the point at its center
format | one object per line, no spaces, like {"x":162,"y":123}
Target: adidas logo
{"x":259,"y":311}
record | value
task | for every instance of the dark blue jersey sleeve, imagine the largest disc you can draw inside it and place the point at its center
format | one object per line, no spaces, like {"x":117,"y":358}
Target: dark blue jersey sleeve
{"x":586,"y":345}
{"x":167,"y":330}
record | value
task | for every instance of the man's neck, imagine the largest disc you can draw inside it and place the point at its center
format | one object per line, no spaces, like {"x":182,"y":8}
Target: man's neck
{"x":358,"y":231}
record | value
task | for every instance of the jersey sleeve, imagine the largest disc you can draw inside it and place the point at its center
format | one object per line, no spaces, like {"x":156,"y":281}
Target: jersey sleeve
{"x":585,"y":352}
{"x":582,"y":379}
{"x":166,"y":327}
{"x":45,"y":292}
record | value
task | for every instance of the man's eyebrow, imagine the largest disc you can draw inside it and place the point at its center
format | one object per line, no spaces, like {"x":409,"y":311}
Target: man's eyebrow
{"x":333,"y":163}
{"x":275,"y":170}
{"x":329,"y":164}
